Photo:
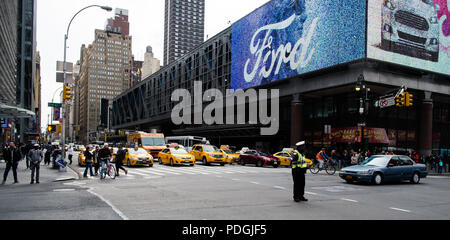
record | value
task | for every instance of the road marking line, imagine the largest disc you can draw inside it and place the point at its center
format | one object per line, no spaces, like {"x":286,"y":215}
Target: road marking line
{"x":349,"y":200}
{"x":235,"y":179}
{"x":278,"y":187}
{"x":257,"y":183}
{"x":110,"y":204}
{"x":147,"y":173}
{"x":161,"y":171}
{"x":64,"y":190}
{"x":194,"y":171}
{"x":181,"y":171}
{"x":399,"y":209}
{"x":311,"y":193}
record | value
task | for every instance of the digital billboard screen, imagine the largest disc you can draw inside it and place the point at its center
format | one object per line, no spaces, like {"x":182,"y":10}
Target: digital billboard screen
{"x":285,"y":38}
{"x":413,"y":33}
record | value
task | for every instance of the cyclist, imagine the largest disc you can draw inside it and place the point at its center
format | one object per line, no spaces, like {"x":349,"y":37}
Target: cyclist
{"x":104,"y":155}
{"x":322,"y":157}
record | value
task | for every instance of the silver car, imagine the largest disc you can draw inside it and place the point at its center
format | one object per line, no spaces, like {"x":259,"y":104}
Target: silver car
{"x":411,"y":27}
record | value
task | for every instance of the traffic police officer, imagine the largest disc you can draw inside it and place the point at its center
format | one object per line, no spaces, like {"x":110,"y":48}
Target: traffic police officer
{"x":299,"y":167}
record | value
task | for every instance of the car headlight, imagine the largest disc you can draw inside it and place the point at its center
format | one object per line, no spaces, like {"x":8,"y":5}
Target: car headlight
{"x":368,"y":172}
{"x":389,"y":4}
{"x":433,"y":20}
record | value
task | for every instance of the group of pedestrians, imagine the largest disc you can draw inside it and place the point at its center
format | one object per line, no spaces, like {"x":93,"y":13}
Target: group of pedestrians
{"x":13,"y":155}
{"x":436,"y":162}
{"x":100,"y":157}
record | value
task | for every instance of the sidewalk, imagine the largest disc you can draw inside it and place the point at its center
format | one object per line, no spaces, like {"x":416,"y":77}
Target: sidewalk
{"x":47,"y":174}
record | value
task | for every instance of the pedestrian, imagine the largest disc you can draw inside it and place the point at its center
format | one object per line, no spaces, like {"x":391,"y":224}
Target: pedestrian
{"x":35,"y":156}
{"x":104,"y":156}
{"x":120,"y":156}
{"x":440,"y":166}
{"x":25,"y":150}
{"x":47,"y":156}
{"x":345,"y":158}
{"x":89,"y":157}
{"x":12,"y":157}
{"x":70,"y":153}
{"x":96,"y":160}
{"x":299,"y":167}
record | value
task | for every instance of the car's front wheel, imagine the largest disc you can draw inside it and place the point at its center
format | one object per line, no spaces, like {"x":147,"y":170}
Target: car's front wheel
{"x":377,"y":179}
{"x":415,"y":179}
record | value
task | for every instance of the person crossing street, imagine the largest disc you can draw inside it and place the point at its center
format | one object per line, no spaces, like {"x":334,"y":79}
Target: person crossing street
{"x":299,"y":167}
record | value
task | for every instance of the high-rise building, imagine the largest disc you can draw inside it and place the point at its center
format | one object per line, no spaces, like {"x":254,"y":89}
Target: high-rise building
{"x":119,"y":24}
{"x":8,"y":47}
{"x":26,"y":67}
{"x":8,"y":43}
{"x":37,"y":94}
{"x":183,"y":28}
{"x":151,"y":64}
{"x":105,"y":72}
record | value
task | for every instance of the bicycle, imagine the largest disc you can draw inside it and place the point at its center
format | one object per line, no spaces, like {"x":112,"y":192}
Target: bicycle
{"x":108,"y":169}
{"x":328,"y":166}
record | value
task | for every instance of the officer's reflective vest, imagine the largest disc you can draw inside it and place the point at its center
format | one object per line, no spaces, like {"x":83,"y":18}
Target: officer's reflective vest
{"x":300,"y":162}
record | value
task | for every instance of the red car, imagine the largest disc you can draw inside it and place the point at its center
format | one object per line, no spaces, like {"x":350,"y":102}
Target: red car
{"x":259,"y":158}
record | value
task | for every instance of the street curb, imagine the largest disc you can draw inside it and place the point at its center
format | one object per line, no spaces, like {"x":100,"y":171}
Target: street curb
{"x":76,"y":172}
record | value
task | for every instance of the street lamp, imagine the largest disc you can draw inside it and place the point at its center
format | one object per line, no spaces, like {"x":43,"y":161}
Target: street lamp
{"x":364,"y":106}
{"x":63,"y":141}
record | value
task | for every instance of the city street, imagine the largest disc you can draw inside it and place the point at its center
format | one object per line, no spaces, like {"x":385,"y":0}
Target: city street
{"x":223,"y":193}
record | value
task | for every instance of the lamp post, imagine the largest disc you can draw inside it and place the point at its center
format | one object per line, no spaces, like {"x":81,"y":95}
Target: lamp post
{"x":63,"y":141}
{"x":363,"y":107}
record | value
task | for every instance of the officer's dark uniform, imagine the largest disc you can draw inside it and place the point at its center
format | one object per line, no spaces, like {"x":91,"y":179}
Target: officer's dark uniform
{"x":299,"y":167}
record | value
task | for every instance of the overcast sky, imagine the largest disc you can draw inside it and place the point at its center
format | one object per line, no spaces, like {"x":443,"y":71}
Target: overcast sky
{"x":146,"y":19}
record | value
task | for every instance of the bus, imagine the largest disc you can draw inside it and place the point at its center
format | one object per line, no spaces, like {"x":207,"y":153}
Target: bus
{"x":187,"y":141}
{"x":153,"y":143}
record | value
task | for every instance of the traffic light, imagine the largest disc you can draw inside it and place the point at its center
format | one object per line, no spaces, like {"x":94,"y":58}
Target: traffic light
{"x":67,"y":94}
{"x":401,"y":100}
{"x":409,"y":100}
{"x":51,"y":128}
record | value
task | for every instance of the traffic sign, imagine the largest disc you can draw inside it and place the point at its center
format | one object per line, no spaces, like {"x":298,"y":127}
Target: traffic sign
{"x":55,"y":105}
{"x":387,"y":102}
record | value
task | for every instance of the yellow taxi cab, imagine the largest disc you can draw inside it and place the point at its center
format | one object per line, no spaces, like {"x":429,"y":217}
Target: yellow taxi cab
{"x":286,"y":158}
{"x":176,"y":156}
{"x":80,"y":148}
{"x":138,"y":157}
{"x":232,"y":157}
{"x":208,"y":154}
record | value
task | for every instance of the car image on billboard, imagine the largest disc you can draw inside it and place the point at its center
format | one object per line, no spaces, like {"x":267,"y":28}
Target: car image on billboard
{"x":412,"y":33}
{"x":410,"y":28}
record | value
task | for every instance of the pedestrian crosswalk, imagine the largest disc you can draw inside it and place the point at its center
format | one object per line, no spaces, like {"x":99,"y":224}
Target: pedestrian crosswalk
{"x":158,"y":171}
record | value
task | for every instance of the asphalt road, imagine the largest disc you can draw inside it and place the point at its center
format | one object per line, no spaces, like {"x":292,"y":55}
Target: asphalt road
{"x":223,"y":193}
{"x":251,"y":193}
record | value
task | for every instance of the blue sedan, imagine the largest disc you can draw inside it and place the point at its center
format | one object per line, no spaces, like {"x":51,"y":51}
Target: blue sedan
{"x":385,"y":168}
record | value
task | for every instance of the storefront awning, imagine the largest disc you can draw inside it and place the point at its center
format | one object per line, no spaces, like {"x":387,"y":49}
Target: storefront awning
{"x":10,"y":111}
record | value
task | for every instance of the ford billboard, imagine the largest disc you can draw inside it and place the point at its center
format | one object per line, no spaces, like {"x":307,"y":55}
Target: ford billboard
{"x":285,"y":38}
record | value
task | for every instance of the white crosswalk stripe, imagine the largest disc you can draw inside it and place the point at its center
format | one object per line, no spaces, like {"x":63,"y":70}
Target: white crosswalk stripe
{"x":158,"y":171}
{"x":146,"y":173}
